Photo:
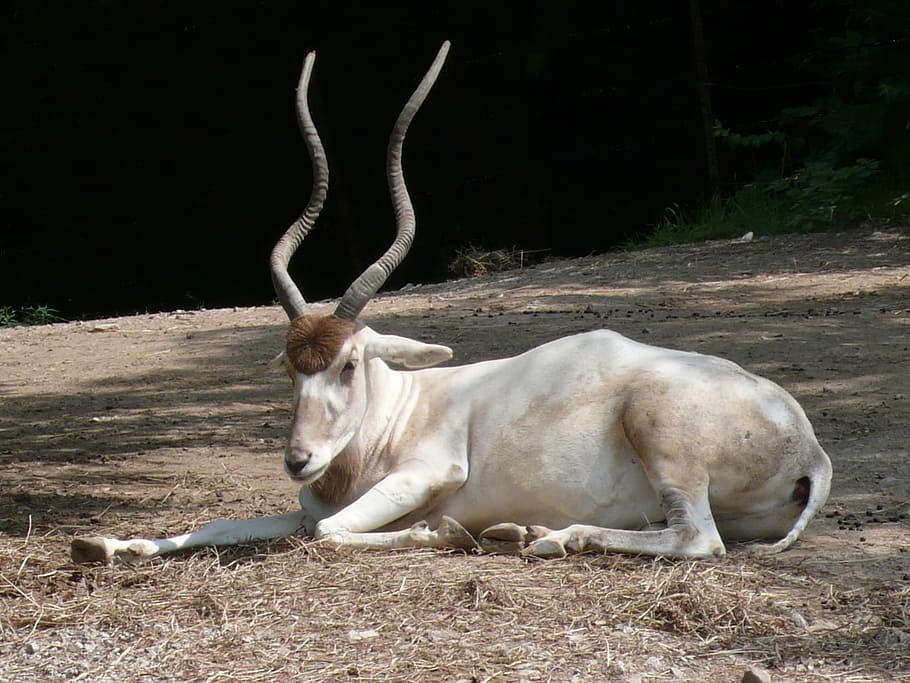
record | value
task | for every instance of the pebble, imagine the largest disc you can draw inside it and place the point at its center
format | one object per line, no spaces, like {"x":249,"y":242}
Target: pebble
{"x":893,"y":636}
{"x":366,"y":634}
{"x":104,"y":327}
{"x":756,"y":675}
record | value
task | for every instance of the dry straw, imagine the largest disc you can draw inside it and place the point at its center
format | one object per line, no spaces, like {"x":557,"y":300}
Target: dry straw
{"x":304,"y":610}
{"x":472,"y":261}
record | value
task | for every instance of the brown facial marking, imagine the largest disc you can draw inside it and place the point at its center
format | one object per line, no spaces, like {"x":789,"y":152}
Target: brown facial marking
{"x":313,"y":341}
{"x":335,"y":486}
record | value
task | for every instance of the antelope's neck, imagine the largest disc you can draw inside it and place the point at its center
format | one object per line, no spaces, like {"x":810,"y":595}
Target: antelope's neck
{"x":368,"y":456}
{"x":390,"y":398}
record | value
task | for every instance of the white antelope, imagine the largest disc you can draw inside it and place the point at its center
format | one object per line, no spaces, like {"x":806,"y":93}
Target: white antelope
{"x":590,"y":442}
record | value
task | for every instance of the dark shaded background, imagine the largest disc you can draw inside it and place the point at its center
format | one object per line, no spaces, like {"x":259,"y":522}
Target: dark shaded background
{"x":151,"y":155}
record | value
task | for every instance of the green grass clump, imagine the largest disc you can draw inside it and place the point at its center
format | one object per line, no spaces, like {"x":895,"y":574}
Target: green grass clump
{"x":794,"y":205}
{"x":28,"y":315}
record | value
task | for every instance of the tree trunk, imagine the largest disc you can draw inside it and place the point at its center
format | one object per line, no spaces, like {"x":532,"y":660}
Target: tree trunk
{"x":704,"y":95}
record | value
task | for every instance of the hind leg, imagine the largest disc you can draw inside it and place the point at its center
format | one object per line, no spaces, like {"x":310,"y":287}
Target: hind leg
{"x":674,"y":458}
{"x":690,"y":533}
{"x":690,"y":527}
{"x":668,"y":451}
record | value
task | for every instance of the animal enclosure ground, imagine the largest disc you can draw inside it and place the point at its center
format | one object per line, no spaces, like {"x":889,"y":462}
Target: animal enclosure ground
{"x":152,"y":425}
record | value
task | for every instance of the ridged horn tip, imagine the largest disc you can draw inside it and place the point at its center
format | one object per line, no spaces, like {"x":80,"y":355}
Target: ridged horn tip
{"x":368,"y":283}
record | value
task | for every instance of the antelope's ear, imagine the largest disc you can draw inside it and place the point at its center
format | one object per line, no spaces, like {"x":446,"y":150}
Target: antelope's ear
{"x":281,"y":362}
{"x":403,"y":351}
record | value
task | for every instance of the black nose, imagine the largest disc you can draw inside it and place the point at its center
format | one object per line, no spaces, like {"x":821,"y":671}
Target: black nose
{"x":296,"y":462}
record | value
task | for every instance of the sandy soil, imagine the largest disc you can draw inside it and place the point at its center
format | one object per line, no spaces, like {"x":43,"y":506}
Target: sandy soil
{"x":154,"y":424}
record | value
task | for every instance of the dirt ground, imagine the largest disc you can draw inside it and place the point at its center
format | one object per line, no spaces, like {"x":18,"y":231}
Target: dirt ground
{"x":154,"y":424}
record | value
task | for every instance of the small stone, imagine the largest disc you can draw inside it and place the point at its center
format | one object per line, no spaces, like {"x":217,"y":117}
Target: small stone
{"x":30,"y":648}
{"x":893,"y":636}
{"x":441,"y":636}
{"x":365,"y":634}
{"x":798,"y":619}
{"x":756,"y":675}
{"x":654,"y":663}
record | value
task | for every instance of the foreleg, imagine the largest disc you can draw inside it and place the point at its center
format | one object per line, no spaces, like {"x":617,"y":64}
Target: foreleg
{"x":409,"y":488}
{"x":449,"y":534}
{"x":220,"y":532}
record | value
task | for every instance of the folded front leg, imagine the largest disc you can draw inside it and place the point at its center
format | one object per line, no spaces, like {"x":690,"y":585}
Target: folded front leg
{"x":449,"y":534}
{"x":404,"y":491}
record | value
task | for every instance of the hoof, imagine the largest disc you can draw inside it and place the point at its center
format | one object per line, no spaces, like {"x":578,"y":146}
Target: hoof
{"x":509,"y":538}
{"x":137,"y":551}
{"x":454,"y":535}
{"x":503,"y":539}
{"x":89,"y":550}
{"x":546,"y":548}
{"x":335,"y":539}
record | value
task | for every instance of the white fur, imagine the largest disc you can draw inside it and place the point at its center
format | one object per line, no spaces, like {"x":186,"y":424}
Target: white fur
{"x":617,"y":445}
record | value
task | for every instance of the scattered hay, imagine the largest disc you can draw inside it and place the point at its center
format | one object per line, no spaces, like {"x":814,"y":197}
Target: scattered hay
{"x":472,"y":261}
{"x":300,"y":609}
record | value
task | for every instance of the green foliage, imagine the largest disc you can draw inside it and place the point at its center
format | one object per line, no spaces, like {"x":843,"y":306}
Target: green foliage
{"x":28,"y":315}
{"x":7,"y":316}
{"x":820,"y":194}
{"x":832,"y":146}
{"x":814,"y":200}
{"x":734,"y":139}
{"x":719,"y":218}
{"x":840,"y":158}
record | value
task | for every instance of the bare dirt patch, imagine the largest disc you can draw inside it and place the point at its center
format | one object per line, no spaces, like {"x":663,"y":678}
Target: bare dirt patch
{"x":152,"y":425}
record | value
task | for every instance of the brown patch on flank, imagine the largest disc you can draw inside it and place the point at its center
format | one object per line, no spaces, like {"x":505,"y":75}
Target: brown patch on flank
{"x":313,"y":341}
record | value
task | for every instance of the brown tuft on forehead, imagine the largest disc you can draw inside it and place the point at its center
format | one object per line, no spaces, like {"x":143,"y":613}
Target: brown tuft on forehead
{"x":313,"y":341}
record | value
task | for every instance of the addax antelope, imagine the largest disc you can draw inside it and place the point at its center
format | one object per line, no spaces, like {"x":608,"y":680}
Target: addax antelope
{"x":591,"y":442}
